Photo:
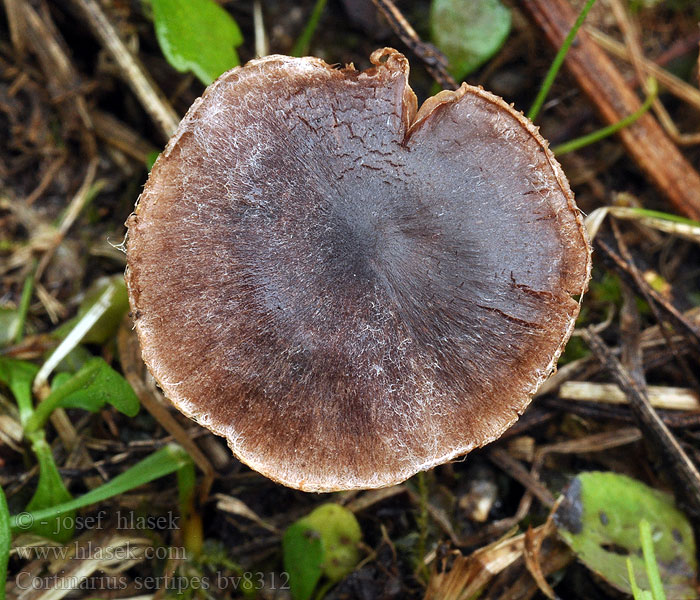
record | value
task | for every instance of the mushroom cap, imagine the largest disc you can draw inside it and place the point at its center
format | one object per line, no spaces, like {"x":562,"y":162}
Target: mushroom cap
{"x":348,"y":289}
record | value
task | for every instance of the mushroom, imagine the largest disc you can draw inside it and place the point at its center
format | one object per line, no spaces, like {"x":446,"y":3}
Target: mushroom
{"x":351,"y":290}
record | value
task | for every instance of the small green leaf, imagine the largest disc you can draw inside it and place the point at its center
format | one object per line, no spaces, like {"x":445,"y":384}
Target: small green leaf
{"x":197,"y":36}
{"x":97,"y":384}
{"x":600,"y":519}
{"x":93,"y":386}
{"x":468,"y":32}
{"x":50,"y":491}
{"x":303,"y":557}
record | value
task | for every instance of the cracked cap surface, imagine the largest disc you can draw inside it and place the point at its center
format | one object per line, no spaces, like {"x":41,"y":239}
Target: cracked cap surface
{"x":349,"y":289}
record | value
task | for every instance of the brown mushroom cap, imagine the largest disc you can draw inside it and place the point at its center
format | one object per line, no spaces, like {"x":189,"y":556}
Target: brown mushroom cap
{"x":348,"y":290}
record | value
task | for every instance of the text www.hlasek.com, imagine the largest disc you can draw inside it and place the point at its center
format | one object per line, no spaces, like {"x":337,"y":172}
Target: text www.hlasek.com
{"x":125,"y":551}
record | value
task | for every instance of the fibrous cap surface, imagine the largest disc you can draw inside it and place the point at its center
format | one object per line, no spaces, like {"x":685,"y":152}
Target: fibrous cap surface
{"x":349,"y":289}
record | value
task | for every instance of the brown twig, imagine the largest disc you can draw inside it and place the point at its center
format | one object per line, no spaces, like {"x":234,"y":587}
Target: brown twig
{"x":435,"y":62}
{"x":680,"y":469}
{"x":668,"y":80}
{"x":517,"y":471}
{"x":119,"y":135}
{"x":607,"y":89}
{"x":629,"y":31}
{"x":645,"y":289}
{"x":627,"y":273}
{"x":605,"y":412}
{"x":152,"y":99}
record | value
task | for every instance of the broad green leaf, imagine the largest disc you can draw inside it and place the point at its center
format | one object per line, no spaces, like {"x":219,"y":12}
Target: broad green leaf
{"x":340,"y":533}
{"x":325,"y":542}
{"x":197,"y":36}
{"x":18,"y":376}
{"x":50,"y":491}
{"x":107,"y":324}
{"x":468,"y":32}
{"x":303,"y":557}
{"x":93,"y":386}
{"x":600,"y":518}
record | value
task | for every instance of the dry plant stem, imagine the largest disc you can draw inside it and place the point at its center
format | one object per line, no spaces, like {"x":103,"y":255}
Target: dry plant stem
{"x":531,"y":554}
{"x":517,"y":583}
{"x":668,"y":80}
{"x":512,"y":467}
{"x":626,"y":272}
{"x":468,"y":575}
{"x":598,"y":442}
{"x":605,"y":86}
{"x":642,"y":285}
{"x":435,"y":62}
{"x":47,"y":178}
{"x":71,"y":214}
{"x":599,"y":412}
{"x":95,"y":551}
{"x":120,"y":136}
{"x":679,"y":468}
{"x":13,"y":11}
{"x":63,"y":81}
{"x":637,"y":58}
{"x":152,"y":99}
{"x":371,"y":497}
{"x":133,"y":367}
{"x":262,"y":47}
{"x":436,"y":515}
{"x":668,"y":398}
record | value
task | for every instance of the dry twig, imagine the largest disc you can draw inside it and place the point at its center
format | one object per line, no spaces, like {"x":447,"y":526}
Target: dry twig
{"x":606,"y":87}
{"x":680,"y":469}
{"x":435,"y":62}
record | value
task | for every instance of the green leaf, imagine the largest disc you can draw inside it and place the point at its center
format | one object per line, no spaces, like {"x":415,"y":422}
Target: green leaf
{"x":5,"y":542}
{"x":50,"y":491}
{"x":197,"y":36}
{"x":106,"y":326}
{"x":18,"y":375}
{"x":325,"y":542}
{"x":340,"y":533}
{"x":303,"y":556}
{"x":468,"y":32}
{"x":600,"y":519}
{"x":93,"y":386}
{"x":160,"y":463}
